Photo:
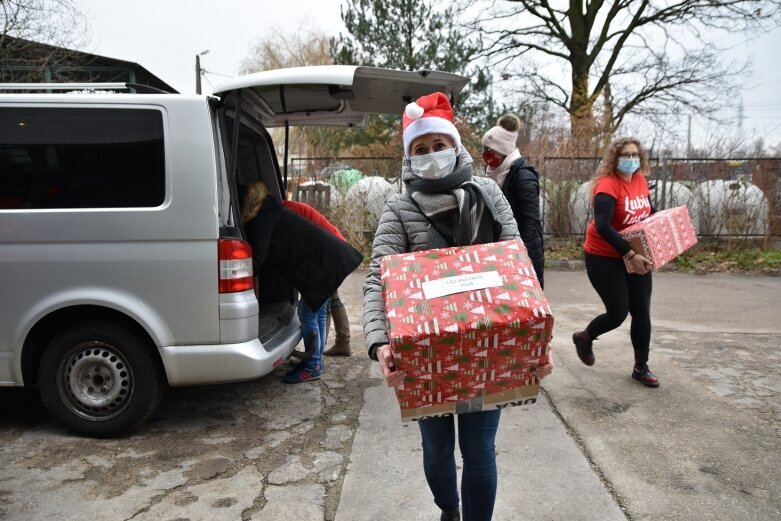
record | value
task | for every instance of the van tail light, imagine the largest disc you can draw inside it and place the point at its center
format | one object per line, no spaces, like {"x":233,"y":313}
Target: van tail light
{"x":235,"y":266}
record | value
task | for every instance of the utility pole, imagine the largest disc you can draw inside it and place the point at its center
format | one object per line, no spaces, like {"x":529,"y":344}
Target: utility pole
{"x":197,"y":73}
{"x":741,"y":117}
{"x":198,"y":70}
{"x":689,"y":139}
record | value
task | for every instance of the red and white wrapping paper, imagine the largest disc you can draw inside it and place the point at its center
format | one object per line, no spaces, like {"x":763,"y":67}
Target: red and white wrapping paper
{"x":661,"y":237}
{"x":467,"y":325}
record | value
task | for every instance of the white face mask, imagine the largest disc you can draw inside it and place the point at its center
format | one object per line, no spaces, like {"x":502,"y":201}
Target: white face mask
{"x":435,"y":165}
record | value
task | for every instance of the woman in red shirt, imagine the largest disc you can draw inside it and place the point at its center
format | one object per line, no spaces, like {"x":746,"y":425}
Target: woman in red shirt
{"x":620,"y":198}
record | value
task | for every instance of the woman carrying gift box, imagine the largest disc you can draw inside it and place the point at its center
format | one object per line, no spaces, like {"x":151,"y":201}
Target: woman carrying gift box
{"x":443,"y":205}
{"x":620,"y":198}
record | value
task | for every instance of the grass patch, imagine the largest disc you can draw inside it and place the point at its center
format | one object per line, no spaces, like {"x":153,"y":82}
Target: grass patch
{"x":704,"y":257}
{"x":713,"y":257}
{"x":563,"y":250}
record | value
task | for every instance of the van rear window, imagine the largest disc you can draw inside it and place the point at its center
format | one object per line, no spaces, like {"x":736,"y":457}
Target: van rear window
{"x":81,"y":158}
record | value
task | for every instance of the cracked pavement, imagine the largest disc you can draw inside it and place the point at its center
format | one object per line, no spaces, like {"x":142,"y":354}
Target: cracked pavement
{"x":703,"y":446}
{"x":251,"y":450}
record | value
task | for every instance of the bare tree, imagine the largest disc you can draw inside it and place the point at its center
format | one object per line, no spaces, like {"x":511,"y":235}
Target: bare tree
{"x":280,"y":50}
{"x":656,"y":57}
{"x":300,"y":48}
{"x":27,"y":24}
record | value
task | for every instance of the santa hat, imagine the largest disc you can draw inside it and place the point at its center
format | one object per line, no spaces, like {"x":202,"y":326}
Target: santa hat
{"x":430,"y":114}
{"x":504,"y":136}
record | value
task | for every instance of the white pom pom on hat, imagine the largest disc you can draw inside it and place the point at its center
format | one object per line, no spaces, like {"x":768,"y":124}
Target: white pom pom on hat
{"x":413,"y":111}
{"x":500,"y":138}
{"x":430,"y":114}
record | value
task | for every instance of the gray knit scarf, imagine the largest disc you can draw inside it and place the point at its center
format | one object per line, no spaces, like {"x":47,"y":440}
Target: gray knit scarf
{"x":459,"y":211}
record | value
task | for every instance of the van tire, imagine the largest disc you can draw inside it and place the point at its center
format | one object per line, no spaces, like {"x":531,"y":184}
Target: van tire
{"x":100,"y":379}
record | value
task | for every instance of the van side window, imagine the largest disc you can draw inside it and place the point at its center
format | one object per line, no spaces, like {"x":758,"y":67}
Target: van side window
{"x":81,"y":158}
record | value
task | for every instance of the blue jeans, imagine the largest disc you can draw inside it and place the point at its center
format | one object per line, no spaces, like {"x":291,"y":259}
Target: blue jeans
{"x":476,"y":435}
{"x":313,"y":331}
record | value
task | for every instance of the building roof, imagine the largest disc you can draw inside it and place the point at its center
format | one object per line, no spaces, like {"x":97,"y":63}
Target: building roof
{"x":26,"y":61}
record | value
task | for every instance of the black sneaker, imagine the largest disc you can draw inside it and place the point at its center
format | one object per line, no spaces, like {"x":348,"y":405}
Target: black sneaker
{"x":642,"y":374}
{"x":302,"y":374}
{"x":450,"y":515}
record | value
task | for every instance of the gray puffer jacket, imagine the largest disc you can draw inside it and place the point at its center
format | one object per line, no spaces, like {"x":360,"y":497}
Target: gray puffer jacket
{"x":402,"y":229}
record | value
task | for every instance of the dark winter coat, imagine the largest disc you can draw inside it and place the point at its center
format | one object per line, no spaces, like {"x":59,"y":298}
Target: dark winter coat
{"x":522,"y":190}
{"x":314,"y":261}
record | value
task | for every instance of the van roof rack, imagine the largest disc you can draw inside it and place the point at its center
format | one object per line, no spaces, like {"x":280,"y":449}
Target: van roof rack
{"x":138,"y":87}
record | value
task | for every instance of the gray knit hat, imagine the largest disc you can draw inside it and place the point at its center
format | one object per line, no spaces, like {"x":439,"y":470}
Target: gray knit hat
{"x":504,"y":136}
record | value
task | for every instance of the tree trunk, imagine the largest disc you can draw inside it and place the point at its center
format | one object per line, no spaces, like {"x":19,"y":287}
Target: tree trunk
{"x":581,"y":110}
{"x":608,"y":119}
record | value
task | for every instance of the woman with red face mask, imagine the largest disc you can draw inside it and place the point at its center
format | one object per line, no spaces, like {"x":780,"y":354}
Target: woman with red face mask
{"x":520,"y":183}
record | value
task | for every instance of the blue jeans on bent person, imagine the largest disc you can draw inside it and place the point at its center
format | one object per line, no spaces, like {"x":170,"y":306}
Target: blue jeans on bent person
{"x":476,"y":436}
{"x":313,"y":331}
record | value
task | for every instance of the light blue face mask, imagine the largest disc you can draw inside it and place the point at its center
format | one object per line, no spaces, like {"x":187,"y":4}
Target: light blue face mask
{"x":628,"y":165}
{"x":435,"y":165}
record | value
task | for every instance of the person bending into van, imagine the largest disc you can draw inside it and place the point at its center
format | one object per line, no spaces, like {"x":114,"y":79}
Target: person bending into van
{"x":444,"y":205}
{"x":336,"y":308}
{"x":314,"y":261}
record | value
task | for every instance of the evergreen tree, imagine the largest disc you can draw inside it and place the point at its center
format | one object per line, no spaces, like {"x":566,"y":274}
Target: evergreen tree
{"x":413,"y":35}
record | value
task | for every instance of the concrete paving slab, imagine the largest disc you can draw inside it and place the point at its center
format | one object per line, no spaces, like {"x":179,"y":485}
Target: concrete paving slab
{"x":540,"y":467}
{"x":703,"y":446}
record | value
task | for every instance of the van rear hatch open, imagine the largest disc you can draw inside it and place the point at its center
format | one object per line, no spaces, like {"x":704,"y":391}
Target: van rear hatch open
{"x":334,"y":95}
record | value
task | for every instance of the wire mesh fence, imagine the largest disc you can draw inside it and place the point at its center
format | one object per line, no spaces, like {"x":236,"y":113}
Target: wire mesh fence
{"x":732,"y":199}
{"x":350,"y":191}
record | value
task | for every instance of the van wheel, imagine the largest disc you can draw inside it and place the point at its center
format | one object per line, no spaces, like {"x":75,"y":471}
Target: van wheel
{"x":100,"y":379}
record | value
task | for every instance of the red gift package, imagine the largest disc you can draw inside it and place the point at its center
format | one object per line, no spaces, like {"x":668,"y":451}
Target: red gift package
{"x":468,"y":326}
{"x":662,"y":236}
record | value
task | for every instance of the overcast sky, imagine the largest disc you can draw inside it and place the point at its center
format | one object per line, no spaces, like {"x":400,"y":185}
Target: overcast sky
{"x":165,"y":35}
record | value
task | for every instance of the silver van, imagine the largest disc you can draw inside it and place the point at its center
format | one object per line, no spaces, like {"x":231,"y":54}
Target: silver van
{"x":122,"y":262}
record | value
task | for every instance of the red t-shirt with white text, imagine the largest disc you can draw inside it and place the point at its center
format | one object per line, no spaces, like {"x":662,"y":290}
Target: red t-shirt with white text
{"x":632,"y":205}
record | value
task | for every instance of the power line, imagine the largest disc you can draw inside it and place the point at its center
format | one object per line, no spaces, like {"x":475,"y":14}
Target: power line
{"x":217,"y":74}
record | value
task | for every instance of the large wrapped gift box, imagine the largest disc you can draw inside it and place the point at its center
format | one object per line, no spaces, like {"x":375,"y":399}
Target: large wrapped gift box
{"x":468,"y":326}
{"x":661,"y":237}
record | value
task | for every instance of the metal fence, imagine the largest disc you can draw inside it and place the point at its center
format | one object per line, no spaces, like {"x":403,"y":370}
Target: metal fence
{"x":727,"y":198}
{"x":321,"y":169}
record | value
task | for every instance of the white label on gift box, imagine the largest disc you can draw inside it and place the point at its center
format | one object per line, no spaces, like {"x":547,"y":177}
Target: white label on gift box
{"x":460,"y":283}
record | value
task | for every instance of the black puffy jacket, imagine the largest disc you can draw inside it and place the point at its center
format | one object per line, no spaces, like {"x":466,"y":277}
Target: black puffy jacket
{"x":522,"y":190}
{"x":314,"y":261}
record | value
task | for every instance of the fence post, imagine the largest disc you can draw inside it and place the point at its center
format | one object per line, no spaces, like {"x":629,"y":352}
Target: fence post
{"x":545,"y":194}
{"x":664,"y":185}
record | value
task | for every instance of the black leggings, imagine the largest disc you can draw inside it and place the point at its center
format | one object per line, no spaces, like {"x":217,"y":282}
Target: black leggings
{"x":621,"y":293}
